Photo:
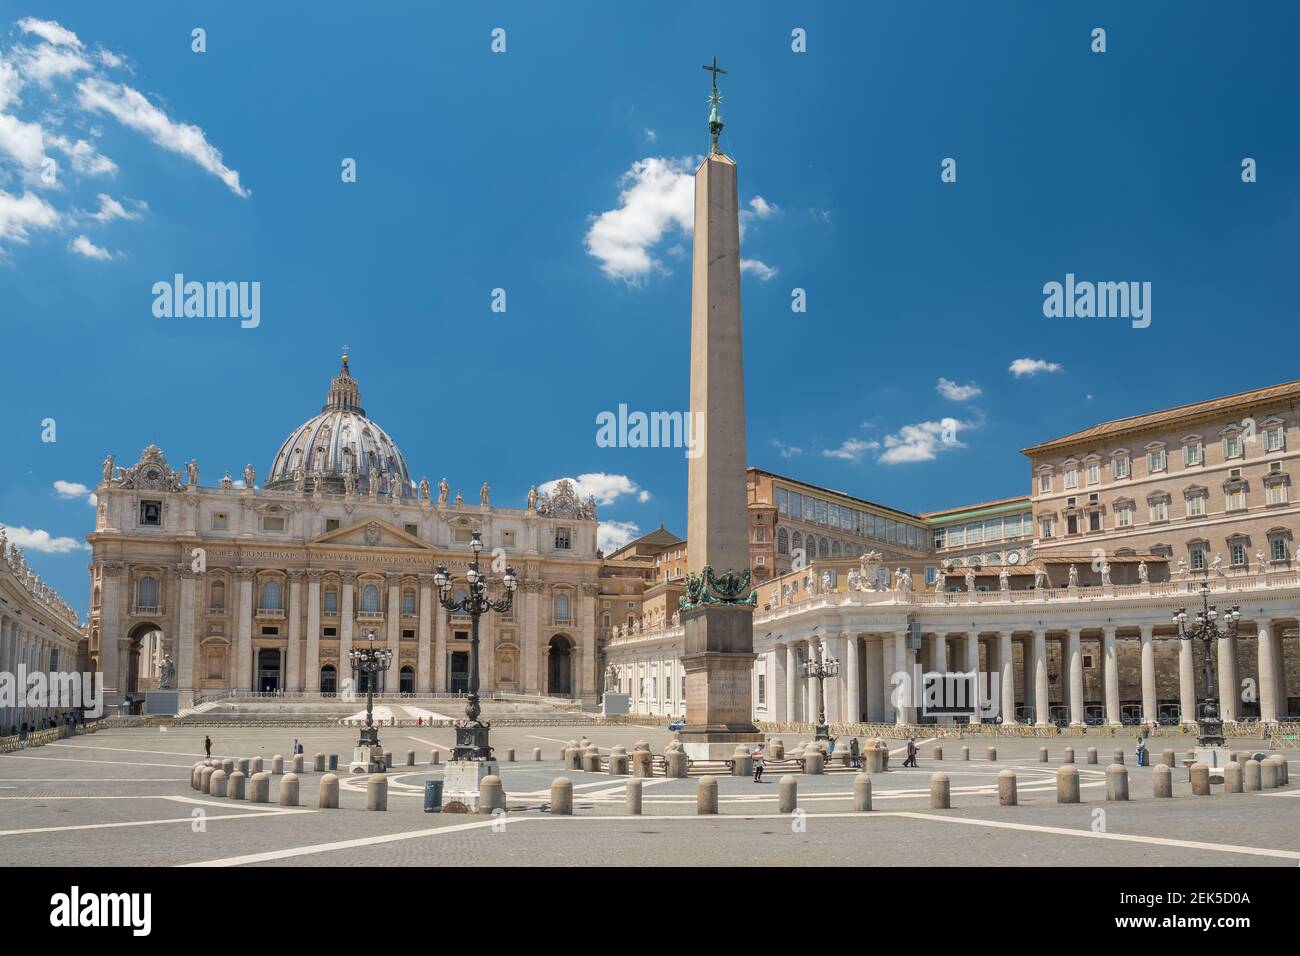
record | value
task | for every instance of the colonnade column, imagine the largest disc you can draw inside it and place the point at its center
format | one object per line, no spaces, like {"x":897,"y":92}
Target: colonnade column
{"x":1006,"y":662}
{"x":904,"y":711}
{"x":110,"y":632}
{"x":1074,"y":661}
{"x":835,"y":685}
{"x":348,"y":581}
{"x":394,"y":620}
{"x":1186,"y":682}
{"x":185,"y":635}
{"x":1228,"y":682}
{"x":1267,"y":673}
{"x":1042,"y":702}
{"x":791,"y":683}
{"x":243,"y":677}
{"x":1148,"y":650}
{"x":813,"y":699}
{"x":1110,"y":674}
{"x":973,"y":667}
{"x":853,"y":698}
{"x":875,"y":679}
{"x":314,"y":576}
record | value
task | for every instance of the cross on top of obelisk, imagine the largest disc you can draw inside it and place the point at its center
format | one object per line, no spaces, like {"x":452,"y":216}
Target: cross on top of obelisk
{"x":715,"y":98}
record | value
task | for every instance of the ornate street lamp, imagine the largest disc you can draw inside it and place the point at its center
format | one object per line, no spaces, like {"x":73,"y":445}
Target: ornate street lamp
{"x":821,"y":669}
{"x":472,"y":733}
{"x":370,"y":660}
{"x":1204,"y":628}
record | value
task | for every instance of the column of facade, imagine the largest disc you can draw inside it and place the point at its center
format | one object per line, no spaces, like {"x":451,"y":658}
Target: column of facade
{"x":939,"y":653}
{"x":5,"y":719}
{"x":1074,"y":663}
{"x":776,"y":692}
{"x":1110,"y":674}
{"x":1267,"y":673}
{"x":110,"y":632}
{"x":394,"y":621}
{"x":441,"y":666}
{"x":853,"y":686}
{"x":185,"y":634}
{"x":792,"y":712}
{"x":532,"y":636}
{"x":423,"y":657}
{"x":812,"y":695}
{"x":973,"y":667}
{"x":1148,"y":661}
{"x":1007,"y":668}
{"x":589,"y":681}
{"x":1186,"y":682}
{"x":294,"y":642}
{"x":1228,"y":681}
{"x":242,"y":679}
{"x":889,"y":713}
{"x":347,"y":602}
{"x":314,"y":576}
{"x":1279,"y":676}
{"x":835,"y":685}
{"x":1042,"y":700}
{"x":874,"y":701}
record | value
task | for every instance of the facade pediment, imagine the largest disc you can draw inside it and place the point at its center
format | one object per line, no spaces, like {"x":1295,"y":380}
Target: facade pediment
{"x":370,"y":533}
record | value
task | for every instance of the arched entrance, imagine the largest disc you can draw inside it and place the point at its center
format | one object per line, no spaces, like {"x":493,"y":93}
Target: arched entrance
{"x":144,"y":657}
{"x":407,"y":678}
{"x":559,"y":667}
{"x":268,"y":670}
{"x":329,"y":680}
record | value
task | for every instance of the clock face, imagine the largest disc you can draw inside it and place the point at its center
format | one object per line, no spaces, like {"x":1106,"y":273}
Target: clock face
{"x":1013,"y":557}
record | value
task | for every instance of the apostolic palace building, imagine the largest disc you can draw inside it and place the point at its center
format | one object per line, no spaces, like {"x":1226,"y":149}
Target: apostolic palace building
{"x":1063,"y":597}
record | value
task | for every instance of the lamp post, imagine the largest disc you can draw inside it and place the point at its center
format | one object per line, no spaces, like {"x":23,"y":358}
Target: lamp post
{"x":369,"y":660}
{"x":820,"y":669}
{"x":472,"y":733}
{"x":1205,"y":628}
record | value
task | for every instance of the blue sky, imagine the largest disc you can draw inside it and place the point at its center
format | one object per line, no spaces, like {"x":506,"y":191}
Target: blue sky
{"x":554,"y":171}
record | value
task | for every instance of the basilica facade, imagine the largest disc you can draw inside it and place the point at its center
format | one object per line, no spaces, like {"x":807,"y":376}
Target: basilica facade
{"x":265,"y":587}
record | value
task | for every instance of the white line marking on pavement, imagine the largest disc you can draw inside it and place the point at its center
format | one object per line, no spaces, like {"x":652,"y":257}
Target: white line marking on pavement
{"x":344,"y":844}
{"x":428,"y":743}
{"x":553,"y":740}
{"x":128,"y":750}
{"x":146,"y":823}
{"x":119,"y":763}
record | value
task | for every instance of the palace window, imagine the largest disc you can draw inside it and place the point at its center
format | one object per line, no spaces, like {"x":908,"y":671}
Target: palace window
{"x":331,"y":601}
{"x":1046,"y":524}
{"x":562,"y":607}
{"x":562,"y":539}
{"x":1160,"y":510}
{"x":1275,"y":493}
{"x":782,"y":541}
{"x":1119,"y":466}
{"x":1195,"y":506}
{"x":1273,"y":438}
{"x":220,"y":521}
{"x":217,"y":596}
{"x":1196,"y":558}
{"x":1237,"y":554}
{"x":1156,"y":459}
{"x":762,"y":690}
{"x":1193,"y":454}
{"x":1071,"y":477}
{"x":151,"y":513}
{"x":370,"y":599}
{"x":408,"y":602}
{"x":272,"y":523}
{"x":1231,"y":446}
{"x":1277,"y":547}
{"x":1093,"y":472}
{"x":1044,"y":482}
{"x":271,"y":596}
{"x":147,"y":592}
{"x":1235,"y":499}
{"x":823,"y":548}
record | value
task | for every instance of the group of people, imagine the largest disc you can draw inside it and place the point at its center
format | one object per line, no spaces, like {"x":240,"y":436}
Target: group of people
{"x":45,"y":723}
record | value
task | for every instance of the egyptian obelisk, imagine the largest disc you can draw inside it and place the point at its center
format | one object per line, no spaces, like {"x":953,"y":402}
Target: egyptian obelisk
{"x":718,"y":610}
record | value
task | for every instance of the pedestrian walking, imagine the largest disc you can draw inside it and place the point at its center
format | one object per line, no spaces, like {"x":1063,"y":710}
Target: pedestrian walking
{"x":207,"y":746}
{"x":758,"y":764}
{"x":911,"y":753}
{"x":855,"y":753}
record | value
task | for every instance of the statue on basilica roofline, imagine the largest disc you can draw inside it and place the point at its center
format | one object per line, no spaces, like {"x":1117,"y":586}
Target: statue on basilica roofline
{"x":903,"y":580}
{"x":424,"y":489}
{"x":485,"y":494}
{"x":532,"y":498}
{"x":1074,"y":576}
{"x":250,"y":476}
{"x":395,"y":487}
{"x":1004,"y":580}
{"x":443,"y":491}
{"x":458,"y":501}
{"x":1105,"y":573}
{"x":1040,"y":579}
{"x":349,"y":484}
{"x":1142,"y":572}
{"x":1217,"y":566}
{"x":970,"y":580}
{"x":1259,"y":559}
{"x":107,"y":467}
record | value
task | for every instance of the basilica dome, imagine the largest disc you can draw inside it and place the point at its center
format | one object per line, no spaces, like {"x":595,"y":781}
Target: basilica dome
{"x":340,"y":450}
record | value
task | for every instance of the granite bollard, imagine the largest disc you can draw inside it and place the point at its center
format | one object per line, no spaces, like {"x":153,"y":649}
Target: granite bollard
{"x":255,"y":765}
{"x":1199,"y":773}
{"x":813,"y":760}
{"x":617,"y":761}
{"x":297,"y":763}
{"x":742,"y":764}
{"x":491,"y":794}
{"x":1117,"y":782}
{"x":562,"y":797}
{"x":991,"y":754}
{"x":706,"y":797}
{"x":410,"y":758}
{"x":776,"y":749}
{"x":329,"y":792}
{"x":259,"y":787}
{"x":1117,"y":757}
{"x":332,"y":763}
{"x":1162,"y":781}
{"x":965,"y":753}
{"x":228,"y":765}
{"x":1232,"y":777}
{"x":388,"y":759}
{"x":205,"y":779}
{"x":289,"y":790}
{"x":633,"y":805}
{"x":236,"y":786}
{"x":1251,"y":776}
{"x":1067,"y":784}
{"x":217,"y":783}
{"x":537,"y":753}
{"x":196,"y":773}
{"x":435,"y":757}
{"x":1167,"y":757}
{"x":1068,"y":756}
{"x":1092,"y":755}
{"x":510,"y":755}
{"x":787,"y":794}
{"x":676,"y":764}
{"x":377,"y":792}
{"x":277,"y":765}
{"x":940,"y":792}
{"x":936,"y":753}
{"x":1042,"y":755}
{"x":1007,"y":796}
{"x":319,"y":763}
{"x":1267,"y":774}
{"x":861,"y":793}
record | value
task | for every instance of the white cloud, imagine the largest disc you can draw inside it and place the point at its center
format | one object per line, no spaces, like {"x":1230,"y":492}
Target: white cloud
{"x":643,"y":496}
{"x":50,"y":31}
{"x":658,"y":197}
{"x":71,"y":489}
{"x":761,"y":208}
{"x":110,"y":209}
{"x":25,"y":142}
{"x":10,"y":83}
{"x":612,"y":535}
{"x":84,"y":157}
{"x":606,"y":488}
{"x":82,"y":246}
{"x":852,"y":449}
{"x":958,"y":393}
{"x":1027,"y":366}
{"x":19,"y":215}
{"x":650,"y":134}
{"x":922,"y":441}
{"x":129,"y":107}
{"x":787,"y":451}
{"x":758,"y":268}
{"x":37,"y":540}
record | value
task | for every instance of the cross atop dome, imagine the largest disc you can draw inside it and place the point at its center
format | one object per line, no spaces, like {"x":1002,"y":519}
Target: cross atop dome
{"x":344,"y":393}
